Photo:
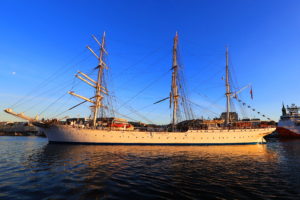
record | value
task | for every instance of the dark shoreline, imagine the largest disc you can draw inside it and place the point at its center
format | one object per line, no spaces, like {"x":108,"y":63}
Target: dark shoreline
{"x":21,"y":134}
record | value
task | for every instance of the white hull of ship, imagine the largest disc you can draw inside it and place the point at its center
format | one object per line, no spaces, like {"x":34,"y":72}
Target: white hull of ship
{"x":69,"y":134}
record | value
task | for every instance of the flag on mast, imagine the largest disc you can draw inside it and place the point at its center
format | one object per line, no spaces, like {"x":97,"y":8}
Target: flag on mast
{"x":251,"y":93}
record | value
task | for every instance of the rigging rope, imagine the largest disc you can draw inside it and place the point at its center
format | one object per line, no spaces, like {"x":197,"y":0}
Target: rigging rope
{"x":139,"y":61}
{"x":126,"y":116}
{"x":235,"y":84}
{"x":202,"y":107}
{"x":141,"y":91}
{"x":64,"y":103}
{"x":46,"y":81}
{"x":133,"y":111}
{"x":52,"y":103}
{"x":254,"y":110}
{"x":55,"y":91}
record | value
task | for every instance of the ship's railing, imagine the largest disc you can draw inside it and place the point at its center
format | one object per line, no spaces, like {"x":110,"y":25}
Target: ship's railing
{"x":166,"y":128}
{"x":234,"y":128}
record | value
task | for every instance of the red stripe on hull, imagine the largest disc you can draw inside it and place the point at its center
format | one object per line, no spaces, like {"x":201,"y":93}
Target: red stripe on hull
{"x":286,"y":133}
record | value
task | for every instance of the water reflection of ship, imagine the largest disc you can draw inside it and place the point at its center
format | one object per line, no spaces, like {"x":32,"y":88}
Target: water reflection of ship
{"x":121,"y":171}
{"x":118,"y":155}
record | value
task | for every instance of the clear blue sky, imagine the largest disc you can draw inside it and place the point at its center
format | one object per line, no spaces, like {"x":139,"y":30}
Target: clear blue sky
{"x":40,"y":38}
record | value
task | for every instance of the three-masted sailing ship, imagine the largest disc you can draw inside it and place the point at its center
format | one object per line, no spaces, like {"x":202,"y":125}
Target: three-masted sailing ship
{"x":119,"y":131}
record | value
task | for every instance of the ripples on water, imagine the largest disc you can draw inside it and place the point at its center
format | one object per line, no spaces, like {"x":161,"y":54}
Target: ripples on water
{"x":32,"y":169}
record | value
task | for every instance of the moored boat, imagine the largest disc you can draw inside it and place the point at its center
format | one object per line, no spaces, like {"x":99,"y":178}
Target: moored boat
{"x":99,"y":130}
{"x":289,"y":123}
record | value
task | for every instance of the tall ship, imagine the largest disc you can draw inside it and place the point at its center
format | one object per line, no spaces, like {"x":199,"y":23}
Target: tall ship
{"x":110,"y":130}
{"x":289,"y":123}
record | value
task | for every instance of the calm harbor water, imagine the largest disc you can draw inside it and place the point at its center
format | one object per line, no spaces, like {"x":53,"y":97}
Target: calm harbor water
{"x":30,"y":168}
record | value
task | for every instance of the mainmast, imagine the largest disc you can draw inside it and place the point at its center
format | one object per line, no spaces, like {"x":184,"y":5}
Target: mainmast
{"x":174,"y":88}
{"x":228,"y":93}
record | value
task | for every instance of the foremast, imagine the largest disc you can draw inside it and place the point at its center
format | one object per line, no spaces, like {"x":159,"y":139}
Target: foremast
{"x":100,"y":90}
{"x":101,"y":65}
{"x":174,"y":85}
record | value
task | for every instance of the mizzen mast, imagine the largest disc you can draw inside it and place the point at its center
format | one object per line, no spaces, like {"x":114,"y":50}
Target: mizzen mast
{"x":174,"y":87}
{"x":228,"y":93}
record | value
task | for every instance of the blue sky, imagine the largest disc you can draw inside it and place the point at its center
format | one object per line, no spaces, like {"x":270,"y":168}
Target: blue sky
{"x":42,"y":38}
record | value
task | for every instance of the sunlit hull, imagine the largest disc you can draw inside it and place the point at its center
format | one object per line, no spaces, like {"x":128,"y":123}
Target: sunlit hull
{"x":69,"y":134}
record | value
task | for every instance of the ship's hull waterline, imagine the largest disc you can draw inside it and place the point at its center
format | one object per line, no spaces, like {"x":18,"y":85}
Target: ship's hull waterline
{"x":68,"y":134}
